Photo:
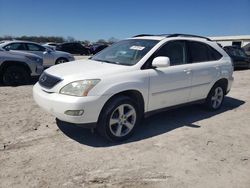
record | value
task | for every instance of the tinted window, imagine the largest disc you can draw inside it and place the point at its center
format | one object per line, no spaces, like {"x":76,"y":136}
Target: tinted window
{"x":175,"y":50}
{"x":200,"y":52}
{"x":213,"y":54}
{"x":34,"y":47}
{"x":15,"y":46}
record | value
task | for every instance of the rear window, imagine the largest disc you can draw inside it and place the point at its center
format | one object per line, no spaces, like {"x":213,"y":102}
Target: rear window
{"x":200,"y":52}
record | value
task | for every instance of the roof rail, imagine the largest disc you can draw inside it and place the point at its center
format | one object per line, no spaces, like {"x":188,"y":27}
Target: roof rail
{"x":143,"y":35}
{"x":174,"y":35}
{"x":187,"y":35}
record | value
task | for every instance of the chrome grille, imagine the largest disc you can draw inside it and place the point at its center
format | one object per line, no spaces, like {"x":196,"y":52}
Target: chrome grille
{"x":48,"y":81}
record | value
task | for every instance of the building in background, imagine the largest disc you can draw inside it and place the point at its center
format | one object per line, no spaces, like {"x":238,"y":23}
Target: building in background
{"x":240,"y":40}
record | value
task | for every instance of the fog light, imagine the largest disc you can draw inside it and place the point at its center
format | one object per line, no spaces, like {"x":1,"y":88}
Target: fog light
{"x":74,"y":112}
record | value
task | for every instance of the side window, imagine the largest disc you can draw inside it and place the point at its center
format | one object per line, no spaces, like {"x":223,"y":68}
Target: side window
{"x":34,"y":47}
{"x":15,"y":46}
{"x":175,"y":50}
{"x":213,"y":54}
{"x":200,"y":52}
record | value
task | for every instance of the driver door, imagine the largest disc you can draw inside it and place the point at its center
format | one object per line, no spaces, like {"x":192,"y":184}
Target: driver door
{"x":170,"y":86}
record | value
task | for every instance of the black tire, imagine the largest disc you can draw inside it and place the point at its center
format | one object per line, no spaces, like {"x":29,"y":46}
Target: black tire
{"x":15,"y":75}
{"x":61,"y":60}
{"x":215,"y":97}
{"x":107,"y":129}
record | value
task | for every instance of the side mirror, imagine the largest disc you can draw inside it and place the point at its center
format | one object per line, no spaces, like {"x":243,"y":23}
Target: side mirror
{"x":160,"y":62}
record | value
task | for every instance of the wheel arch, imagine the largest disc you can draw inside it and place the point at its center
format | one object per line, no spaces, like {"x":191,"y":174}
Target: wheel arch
{"x":7,"y":64}
{"x":223,"y":82}
{"x":133,"y":94}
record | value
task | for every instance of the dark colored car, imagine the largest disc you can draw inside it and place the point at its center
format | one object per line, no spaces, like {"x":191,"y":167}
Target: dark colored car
{"x":73,"y":48}
{"x":247,"y":49}
{"x":239,"y":56}
{"x":94,"y":49}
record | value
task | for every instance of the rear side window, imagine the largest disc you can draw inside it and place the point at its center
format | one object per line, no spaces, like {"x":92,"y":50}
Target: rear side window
{"x":200,"y":52}
{"x":34,"y":47}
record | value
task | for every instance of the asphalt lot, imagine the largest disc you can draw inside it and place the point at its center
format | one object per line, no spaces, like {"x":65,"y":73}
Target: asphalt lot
{"x":186,"y":147}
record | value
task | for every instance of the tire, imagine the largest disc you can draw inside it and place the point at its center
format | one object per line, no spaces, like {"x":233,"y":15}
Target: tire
{"x":114,"y":124}
{"x":215,"y":97}
{"x":15,"y":75}
{"x":61,"y":60}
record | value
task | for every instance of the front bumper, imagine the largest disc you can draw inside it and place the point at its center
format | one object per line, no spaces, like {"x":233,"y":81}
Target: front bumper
{"x":57,"y":104}
{"x":38,"y":71}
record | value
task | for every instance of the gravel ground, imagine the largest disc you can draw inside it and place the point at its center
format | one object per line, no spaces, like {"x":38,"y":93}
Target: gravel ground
{"x":186,"y":147}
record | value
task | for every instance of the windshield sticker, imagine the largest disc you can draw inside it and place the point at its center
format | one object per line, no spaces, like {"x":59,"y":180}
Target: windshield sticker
{"x":137,"y":48}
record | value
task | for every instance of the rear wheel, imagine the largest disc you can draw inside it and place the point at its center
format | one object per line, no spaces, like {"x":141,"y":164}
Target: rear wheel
{"x":118,"y":119}
{"x":15,"y":75}
{"x":215,"y":97}
{"x":61,"y":60}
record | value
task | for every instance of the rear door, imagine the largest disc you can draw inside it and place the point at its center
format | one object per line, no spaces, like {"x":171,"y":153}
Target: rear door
{"x":41,"y":51}
{"x":205,"y":66}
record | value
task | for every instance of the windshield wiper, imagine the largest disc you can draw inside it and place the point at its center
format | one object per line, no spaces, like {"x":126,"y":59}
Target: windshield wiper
{"x":106,"y":61}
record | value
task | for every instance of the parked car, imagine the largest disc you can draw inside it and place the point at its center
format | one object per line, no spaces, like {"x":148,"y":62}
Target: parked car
{"x":134,"y":78}
{"x":16,"y":68}
{"x":50,"y":57}
{"x":73,"y":48}
{"x":50,"y":45}
{"x":239,"y":57}
{"x":247,"y":49}
{"x":94,"y":49}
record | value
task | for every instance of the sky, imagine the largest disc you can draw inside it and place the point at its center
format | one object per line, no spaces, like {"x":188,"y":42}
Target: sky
{"x":102,"y":19}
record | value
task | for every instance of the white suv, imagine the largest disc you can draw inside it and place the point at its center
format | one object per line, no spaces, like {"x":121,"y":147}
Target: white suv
{"x":114,"y":89}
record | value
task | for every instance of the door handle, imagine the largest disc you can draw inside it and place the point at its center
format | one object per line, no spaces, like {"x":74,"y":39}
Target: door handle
{"x":187,"y":71}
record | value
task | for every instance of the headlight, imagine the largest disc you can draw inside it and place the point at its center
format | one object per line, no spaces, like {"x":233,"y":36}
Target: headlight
{"x":32,"y":58}
{"x":79,"y":88}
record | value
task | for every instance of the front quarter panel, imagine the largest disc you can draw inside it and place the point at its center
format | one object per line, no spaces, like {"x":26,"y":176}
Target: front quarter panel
{"x":135,"y":80}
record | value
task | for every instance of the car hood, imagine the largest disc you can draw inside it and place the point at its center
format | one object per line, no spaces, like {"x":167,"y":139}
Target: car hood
{"x":86,"y":69}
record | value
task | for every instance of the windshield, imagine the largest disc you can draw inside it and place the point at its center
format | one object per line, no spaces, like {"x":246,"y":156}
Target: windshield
{"x":126,"y":52}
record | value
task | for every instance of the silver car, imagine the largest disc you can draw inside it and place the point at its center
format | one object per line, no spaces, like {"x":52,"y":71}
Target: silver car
{"x":50,"y":56}
{"x":16,"y":68}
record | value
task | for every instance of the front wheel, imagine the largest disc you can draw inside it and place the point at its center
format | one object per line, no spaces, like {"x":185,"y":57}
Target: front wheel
{"x":215,"y":97}
{"x":119,"y":119}
{"x":15,"y":75}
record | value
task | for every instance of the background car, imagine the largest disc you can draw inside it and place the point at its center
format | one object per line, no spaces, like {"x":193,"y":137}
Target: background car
{"x":50,"y":57}
{"x":73,"y":48}
{"x":95,"y":48}
{"x":50,"y":45}
{"x":239,"y":57}
{"x":247,"y":49}
{"x":17,"y":67}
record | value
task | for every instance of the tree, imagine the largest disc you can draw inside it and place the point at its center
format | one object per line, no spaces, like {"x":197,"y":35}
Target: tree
{"x":101,"y":41}
{"x":112,"y":40}
{"x":70,"y":39}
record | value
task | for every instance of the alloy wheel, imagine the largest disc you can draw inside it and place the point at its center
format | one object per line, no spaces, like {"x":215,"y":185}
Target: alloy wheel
{"x":122,"y":120}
